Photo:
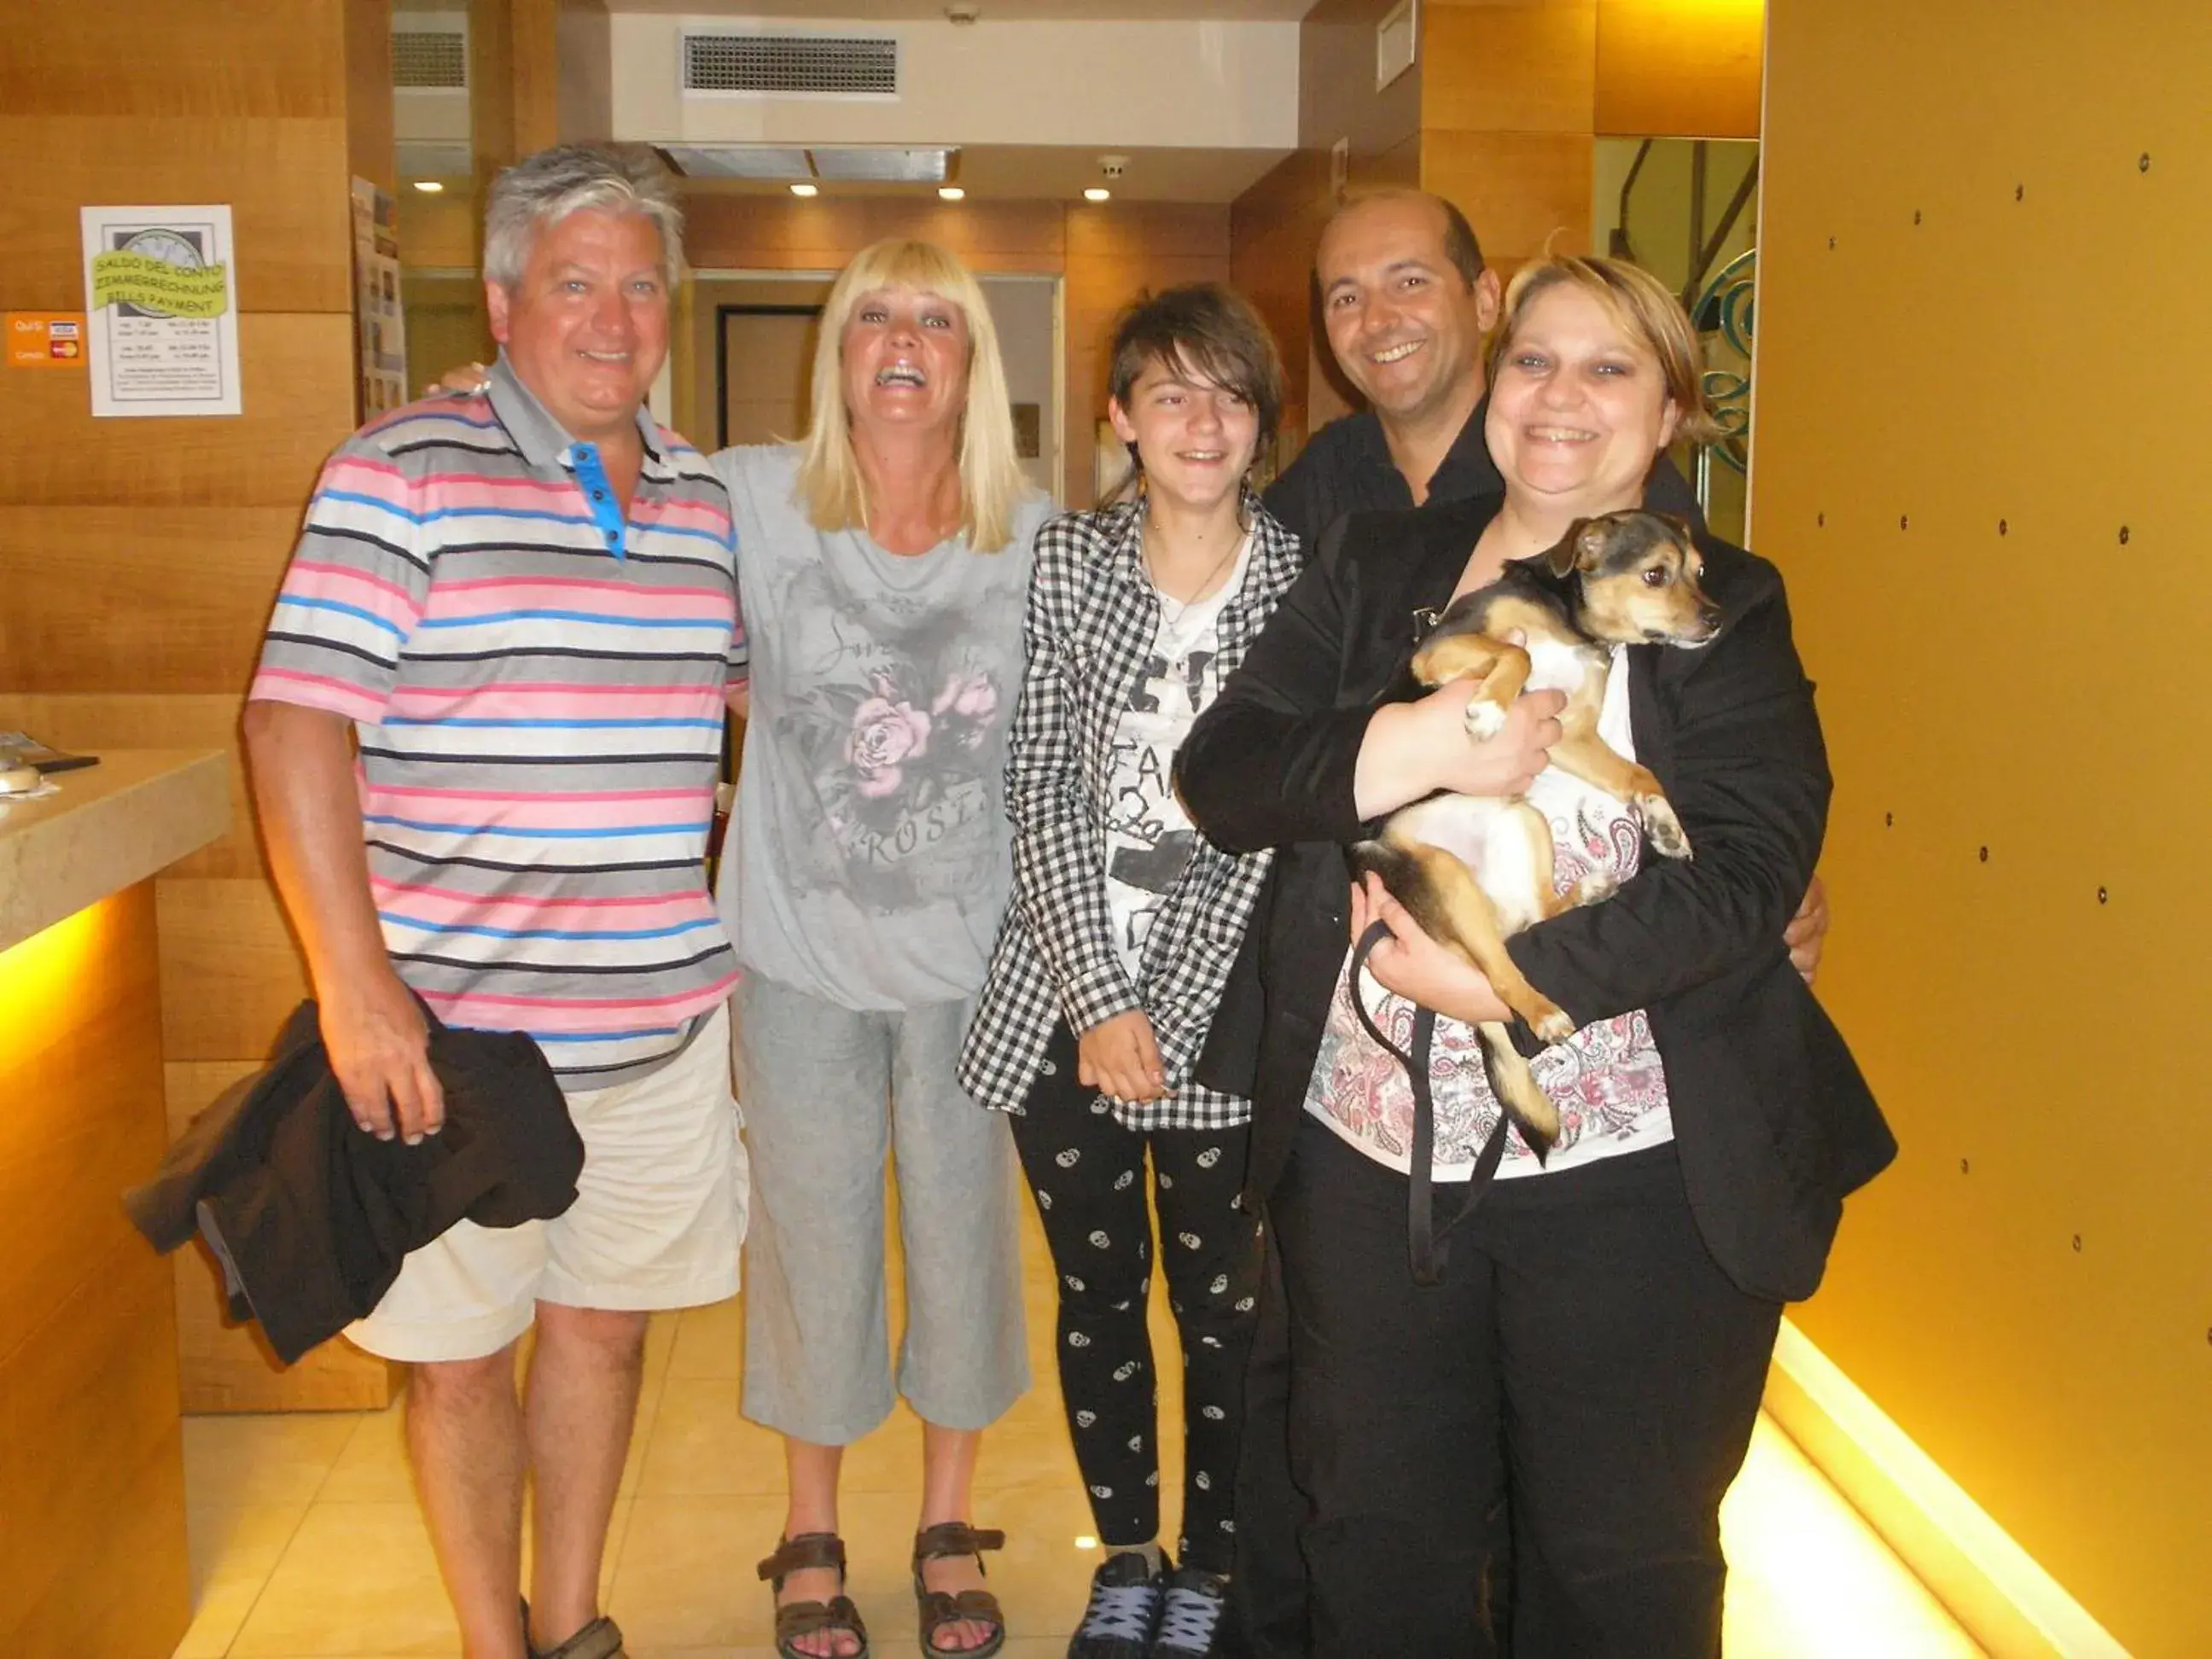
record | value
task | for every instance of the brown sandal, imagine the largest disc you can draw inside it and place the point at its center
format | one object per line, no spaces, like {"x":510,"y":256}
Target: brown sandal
{"x":813,"y":1549}
{"x":938,"y":1608}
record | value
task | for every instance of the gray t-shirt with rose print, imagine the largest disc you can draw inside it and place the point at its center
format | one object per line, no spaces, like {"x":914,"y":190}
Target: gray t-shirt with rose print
{"x":870,"y":858}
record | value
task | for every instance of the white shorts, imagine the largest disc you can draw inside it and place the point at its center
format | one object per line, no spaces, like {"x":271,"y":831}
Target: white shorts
{"x":659,"y":1217}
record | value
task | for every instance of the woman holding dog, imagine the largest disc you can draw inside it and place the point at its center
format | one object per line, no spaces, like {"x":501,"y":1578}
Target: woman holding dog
{"x":1597,"y":1338}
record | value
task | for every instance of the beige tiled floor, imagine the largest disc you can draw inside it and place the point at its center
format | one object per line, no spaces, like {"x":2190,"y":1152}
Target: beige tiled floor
{"x":306,"y":1542}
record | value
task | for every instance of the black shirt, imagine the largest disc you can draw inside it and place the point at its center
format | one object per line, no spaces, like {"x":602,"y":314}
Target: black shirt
{"x":1346,"y":468}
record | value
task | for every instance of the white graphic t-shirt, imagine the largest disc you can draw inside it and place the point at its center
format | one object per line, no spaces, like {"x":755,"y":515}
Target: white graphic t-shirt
{"x":1148,"y":837}
{"x":1606,"y":1079}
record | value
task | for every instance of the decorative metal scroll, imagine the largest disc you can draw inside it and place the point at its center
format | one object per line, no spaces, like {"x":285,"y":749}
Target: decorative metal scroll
{"x":1725,"y":315}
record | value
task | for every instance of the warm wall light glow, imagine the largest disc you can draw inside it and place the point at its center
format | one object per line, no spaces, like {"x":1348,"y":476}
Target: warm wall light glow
{"x":1097,"y":193}
{"x":45,"y":978}
{"x":806,"y":190}
{"x":428,"y":186}
{"x":949,"y":192}
{"x":1085,"y":1541}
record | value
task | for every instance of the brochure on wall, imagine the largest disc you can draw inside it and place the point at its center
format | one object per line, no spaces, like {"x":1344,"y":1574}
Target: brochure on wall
{"x":161,"y":310}
{"x":378,"y":319}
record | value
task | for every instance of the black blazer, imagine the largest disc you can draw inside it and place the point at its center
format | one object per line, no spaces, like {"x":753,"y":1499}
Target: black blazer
{"x":1773,"y":1123}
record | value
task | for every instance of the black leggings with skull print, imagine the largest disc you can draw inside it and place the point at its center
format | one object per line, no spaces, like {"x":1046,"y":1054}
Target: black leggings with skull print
{"x":1087,"y":1172}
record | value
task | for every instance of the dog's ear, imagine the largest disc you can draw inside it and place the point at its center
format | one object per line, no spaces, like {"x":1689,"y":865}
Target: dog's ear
{"x":1573,"y":550}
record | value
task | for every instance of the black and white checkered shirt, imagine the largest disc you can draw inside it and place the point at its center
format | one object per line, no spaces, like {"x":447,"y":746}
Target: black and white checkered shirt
{"x":1093,"y":616}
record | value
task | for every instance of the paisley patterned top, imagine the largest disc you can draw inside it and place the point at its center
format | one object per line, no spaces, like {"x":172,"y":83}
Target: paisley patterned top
{"x":1606,"y":1079}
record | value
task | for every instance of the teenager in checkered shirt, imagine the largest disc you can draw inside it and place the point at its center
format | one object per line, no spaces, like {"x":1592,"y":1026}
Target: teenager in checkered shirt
{"x":1123,"y":929}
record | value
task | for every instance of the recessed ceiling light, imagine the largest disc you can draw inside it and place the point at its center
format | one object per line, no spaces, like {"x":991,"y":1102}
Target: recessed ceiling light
{"x":1097,"y":193}
{"x":428,"y":186}
{"x":950,"y":193}
{"x":805,"y":190}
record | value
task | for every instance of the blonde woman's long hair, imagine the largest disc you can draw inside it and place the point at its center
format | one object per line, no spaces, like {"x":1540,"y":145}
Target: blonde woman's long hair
{"x":992,"y":484}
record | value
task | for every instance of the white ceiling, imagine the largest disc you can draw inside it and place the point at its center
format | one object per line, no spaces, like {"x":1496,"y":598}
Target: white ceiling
{"x":1035,"y":11}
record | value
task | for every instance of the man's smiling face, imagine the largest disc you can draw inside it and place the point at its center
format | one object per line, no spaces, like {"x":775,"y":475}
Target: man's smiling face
{"x":1406,"y":326}
{"x":585,"y":328}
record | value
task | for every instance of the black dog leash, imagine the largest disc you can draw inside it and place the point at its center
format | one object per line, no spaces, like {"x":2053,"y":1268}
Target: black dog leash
{"x":1426,"y":1240}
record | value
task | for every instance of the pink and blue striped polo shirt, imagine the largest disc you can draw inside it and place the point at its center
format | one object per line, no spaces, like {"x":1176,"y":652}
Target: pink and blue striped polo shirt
{"x":537,"y":686}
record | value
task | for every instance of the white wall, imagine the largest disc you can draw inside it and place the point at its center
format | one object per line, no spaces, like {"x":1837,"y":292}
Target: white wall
{"x":1204,"y":85}
{"x":1024,"y":311}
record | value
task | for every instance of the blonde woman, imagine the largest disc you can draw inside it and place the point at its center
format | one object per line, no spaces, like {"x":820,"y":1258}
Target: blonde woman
{"x":884,"y":565}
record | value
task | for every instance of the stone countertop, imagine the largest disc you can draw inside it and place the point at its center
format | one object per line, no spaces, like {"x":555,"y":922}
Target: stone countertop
{"x":104,"y":828}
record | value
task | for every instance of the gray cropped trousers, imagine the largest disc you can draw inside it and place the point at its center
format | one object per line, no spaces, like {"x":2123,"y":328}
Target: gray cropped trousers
{"x":829,"y":1095}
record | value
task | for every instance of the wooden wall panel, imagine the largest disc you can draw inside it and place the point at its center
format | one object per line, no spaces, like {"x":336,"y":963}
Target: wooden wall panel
{"x":1507,"y":114}
{"x":134,"y":59}
{"x":82,"y":1082}
{"x":369,"y":116}
{"x":1273,"y":228}
{"x":438,"y":231}
{"x":1667,"y":70}
{"x":88,"y":1395}
{"x":296,"y":374}
{"x":170,"y":601}
{"x":782,"y":233}
{"x":134,"y":1609}
{"x":1513,"y":68}
{"x":230,"y":972}
{"x":2032,"y":1308}
{"x":294,"y":248}
{"x":1520,"y":190}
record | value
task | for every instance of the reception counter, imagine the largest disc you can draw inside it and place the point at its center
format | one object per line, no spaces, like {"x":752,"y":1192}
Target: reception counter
{"x":92,"y":1505}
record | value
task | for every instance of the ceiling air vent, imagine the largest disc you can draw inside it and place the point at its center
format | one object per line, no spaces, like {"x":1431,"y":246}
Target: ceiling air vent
{"x":425,"y":60}
{"x":804,"y":65}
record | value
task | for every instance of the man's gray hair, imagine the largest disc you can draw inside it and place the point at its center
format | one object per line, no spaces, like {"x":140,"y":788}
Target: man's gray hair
{"x":540,"y":190}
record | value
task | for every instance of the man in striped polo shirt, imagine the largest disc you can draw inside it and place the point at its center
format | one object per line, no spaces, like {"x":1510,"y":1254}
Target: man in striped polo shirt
{"x":484,"y":736}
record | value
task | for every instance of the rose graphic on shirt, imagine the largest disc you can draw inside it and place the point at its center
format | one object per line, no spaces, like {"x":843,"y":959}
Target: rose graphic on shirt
{"x":887,"y":735}
{"x":965,"y":707}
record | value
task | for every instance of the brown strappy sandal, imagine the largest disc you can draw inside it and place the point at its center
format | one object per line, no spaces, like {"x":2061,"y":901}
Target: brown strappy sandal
{"x":938,"y":1608}
{"x":813,"y":1549}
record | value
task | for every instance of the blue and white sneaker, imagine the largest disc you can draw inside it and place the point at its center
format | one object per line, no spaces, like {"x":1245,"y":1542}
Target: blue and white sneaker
{"x":1124,"y":1610}
{"x":1191,"y":1614}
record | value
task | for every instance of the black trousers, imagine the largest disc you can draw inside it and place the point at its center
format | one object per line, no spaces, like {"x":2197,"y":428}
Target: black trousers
{"x":1583,"y":1357}
{"x":1088,"y":1175}
{"x":1268,"y":1616}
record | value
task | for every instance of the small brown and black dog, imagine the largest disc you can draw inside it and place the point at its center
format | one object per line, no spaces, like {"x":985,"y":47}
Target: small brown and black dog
{"x":1475,"y":870}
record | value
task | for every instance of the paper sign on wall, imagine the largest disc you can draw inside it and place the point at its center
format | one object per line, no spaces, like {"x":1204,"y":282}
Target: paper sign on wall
{"x":380,"y":323}
{"x":46,"y":339}
{"x":161,"y":310}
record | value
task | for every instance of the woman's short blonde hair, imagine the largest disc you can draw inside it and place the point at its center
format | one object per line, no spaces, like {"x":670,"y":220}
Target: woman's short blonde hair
{"x":1643,"y":308}
{"x":992,"y":484}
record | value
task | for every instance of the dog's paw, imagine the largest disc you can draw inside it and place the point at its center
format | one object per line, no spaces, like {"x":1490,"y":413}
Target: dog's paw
{"x":1484,"y":719}
{"x":1595,"y":887}
{"x":1554,"y":1026}
{"x":1665,"y":831}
